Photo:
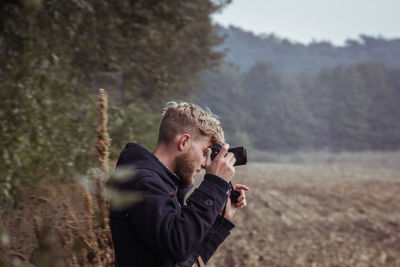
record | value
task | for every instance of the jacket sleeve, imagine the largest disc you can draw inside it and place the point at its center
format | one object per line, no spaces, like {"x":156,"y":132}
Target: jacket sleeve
{"x":172,"y":230}
{"x":223,"y":227}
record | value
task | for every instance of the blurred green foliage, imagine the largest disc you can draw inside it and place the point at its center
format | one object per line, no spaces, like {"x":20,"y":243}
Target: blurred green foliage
{"x":53,"y":54}
{"x":132,"y":123}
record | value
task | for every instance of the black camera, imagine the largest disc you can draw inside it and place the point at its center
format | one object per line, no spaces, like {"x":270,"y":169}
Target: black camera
{"x":241,"y":159}
{"x":239,"y":153}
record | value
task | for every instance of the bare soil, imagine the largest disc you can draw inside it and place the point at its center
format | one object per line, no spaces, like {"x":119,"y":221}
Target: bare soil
{"x":316,"y":215}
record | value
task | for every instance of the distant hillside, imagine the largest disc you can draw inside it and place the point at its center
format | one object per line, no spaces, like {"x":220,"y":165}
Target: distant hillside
{"x":276,"y":95}
{"x":244,"y":49}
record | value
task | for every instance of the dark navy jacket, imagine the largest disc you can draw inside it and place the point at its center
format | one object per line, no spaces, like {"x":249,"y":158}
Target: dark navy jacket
{"x":160,"y":230}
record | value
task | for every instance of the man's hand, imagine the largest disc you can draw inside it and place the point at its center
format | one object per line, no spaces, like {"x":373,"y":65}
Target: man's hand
{"x":231,"y":208}
{"x":222,"y":165}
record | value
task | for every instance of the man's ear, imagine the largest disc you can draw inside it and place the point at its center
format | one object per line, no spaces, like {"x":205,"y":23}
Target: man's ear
{"x":183,"y":142}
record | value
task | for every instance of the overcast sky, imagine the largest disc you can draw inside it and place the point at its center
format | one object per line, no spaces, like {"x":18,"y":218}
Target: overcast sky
{"x":305,"y":20}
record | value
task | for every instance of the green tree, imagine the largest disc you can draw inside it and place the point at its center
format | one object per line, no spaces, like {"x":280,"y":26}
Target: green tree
{"x":278,"y":118}
{"x":54,"y":53}
{"x":355,"y":108}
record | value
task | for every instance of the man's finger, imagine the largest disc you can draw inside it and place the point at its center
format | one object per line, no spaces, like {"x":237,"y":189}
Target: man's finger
{"x":208,"y":156}
{"x":222,"y":152}
{"x":243,"y":202}
{"x":208,"y":159}
{"x":230,"y":156}
{"x":240,"y":186}
{"x":233,"y":159}
{"x":242,"y":198}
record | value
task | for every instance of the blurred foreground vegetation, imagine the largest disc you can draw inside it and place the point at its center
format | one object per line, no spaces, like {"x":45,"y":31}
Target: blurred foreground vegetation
{"x":56,"y":54}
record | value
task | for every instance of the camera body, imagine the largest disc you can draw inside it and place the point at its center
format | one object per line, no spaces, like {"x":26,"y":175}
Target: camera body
{"x":240,"y":153}
{"x":241,"y":159}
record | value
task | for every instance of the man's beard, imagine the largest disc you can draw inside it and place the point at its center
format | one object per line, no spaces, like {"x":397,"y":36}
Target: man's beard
{"x":185,"y":168}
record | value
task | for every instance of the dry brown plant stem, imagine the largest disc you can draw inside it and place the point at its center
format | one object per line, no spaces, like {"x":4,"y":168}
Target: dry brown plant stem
{"x":103,"y":139}
{"x":22,"y":256}
{"x":98,"y":236}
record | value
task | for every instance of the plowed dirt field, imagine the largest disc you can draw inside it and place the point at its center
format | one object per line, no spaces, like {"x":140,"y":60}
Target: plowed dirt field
{"x":316,"y":215}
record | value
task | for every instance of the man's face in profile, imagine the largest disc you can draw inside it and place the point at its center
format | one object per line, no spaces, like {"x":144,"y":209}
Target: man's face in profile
{"x":189,"y":164}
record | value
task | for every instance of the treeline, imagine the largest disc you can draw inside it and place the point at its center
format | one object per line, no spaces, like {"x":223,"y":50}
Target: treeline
{"x":56,"y":54}
{"x":352,"y":108}
{"x":245,"y":49}
{"x":274,"y":94}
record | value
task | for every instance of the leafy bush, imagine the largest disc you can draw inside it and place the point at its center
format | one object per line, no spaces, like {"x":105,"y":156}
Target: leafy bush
{"x":41,"y":136}
{"x":54,"y":52}
{"x":132,"y":123}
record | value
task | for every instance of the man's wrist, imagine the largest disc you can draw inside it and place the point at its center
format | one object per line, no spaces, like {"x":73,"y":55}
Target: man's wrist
{"x":212,"y":192}
{"x":221,"y":183}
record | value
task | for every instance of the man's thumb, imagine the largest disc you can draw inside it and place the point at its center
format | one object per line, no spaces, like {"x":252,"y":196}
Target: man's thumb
{"x":208,"y":159}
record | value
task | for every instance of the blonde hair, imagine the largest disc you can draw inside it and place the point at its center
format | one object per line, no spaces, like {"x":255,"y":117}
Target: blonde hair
{"x":183,"y":117}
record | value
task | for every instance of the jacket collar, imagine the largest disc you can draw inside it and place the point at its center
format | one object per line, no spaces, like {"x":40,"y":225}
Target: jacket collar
{"x":143,"y":158}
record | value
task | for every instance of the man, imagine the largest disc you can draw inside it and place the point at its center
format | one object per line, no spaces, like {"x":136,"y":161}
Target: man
{"x":160,"y":230}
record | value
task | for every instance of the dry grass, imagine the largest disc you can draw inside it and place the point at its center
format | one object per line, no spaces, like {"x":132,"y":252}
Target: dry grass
{"x":316,"y":215}
{"x":59,"y":225}
{"x":48,"y":227}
